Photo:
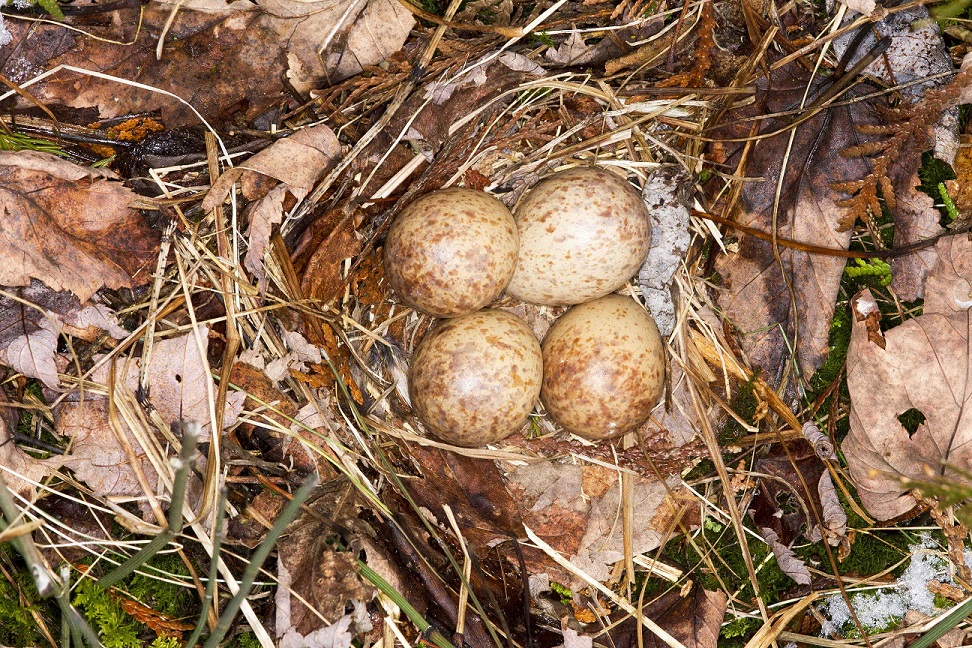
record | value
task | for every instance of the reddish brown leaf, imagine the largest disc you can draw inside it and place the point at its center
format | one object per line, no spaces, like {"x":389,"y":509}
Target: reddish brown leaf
{"x":70,"y":227}
{"x":695,"y":620}
{"x":322,"y":278}
{"x":222,"y":58}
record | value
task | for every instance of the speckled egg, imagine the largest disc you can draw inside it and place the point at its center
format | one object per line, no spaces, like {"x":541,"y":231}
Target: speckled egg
{"x":603,"y":367}
{"x":475,"y":379}
{"x":583,"y":233}
{"x":451,"y":252}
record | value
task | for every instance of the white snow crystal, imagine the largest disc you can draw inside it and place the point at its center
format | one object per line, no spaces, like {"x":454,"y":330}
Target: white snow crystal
{"x":886,"y":606}
{"x":5,"y":36}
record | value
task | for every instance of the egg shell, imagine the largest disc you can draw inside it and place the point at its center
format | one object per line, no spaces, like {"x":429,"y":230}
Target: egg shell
{"x":583,"y":233}
{"x":475,"y":379}
{"x":451,"y":252}
{"x":603,"y":368}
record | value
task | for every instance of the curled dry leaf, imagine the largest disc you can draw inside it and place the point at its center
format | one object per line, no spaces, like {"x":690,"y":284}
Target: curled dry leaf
{"x":785,"y":558}
{"x":70,"y":227}
{"x":925,"y":366}
{"x":834,"y":515}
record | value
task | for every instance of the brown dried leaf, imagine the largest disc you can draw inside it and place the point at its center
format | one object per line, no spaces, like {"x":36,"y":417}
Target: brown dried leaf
{"x":70,"y":227}
{"x":576,"y":511}
{"x":757,"y":300}
{"x":28,"y":335}
{"x":310,"y":567}
{"x":924,"y":366}
{"x":322,"y":278}
{"x":179,"y":381}
{"x":217,"y":57}
{"x":695,"y":620}
{"x":297,"y":161}
{"x":15,"y":465}
{"x":97,"y":457}
{"x":473,"y":489}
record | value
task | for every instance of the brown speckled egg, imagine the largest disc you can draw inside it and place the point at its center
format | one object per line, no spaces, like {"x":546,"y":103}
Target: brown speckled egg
{"x":603,"y":367}
{"x":583,"y":233}
{"x":451,"y":252}
{"x":475,"y":379}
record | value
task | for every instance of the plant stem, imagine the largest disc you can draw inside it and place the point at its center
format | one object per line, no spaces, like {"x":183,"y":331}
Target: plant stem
{"x":256,"y":560}
{"x":213,"y":569}
{"x":182,"y":465}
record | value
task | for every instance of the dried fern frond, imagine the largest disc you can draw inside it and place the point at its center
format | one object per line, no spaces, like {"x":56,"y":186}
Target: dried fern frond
{"x":905,"y":125}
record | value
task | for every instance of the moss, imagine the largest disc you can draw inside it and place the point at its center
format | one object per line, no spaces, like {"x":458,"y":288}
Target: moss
{"x":244,"y":640}
{"x":737,"y":633}
{"x":17,"y":625}
{"x":115,"y":628}
{"x":168,"y":598}
{"x":163,"y":641}
{"x":744,"y":404}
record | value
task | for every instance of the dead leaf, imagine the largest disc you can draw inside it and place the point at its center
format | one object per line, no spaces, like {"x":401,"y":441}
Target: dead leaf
{"x":70,"y":227}
{"x":785,"y":558}
{"x":310,"y":567}
{"x":782,"y":503}
{"x":180,"y":381}
{"x":296,"y":161}
{"x":322,"y":276}
{"x":602,"y":545}
{"x":834,"y":515}
{"x":223,"y":58}
{"x":756,"y":297}
{"x":17,"y":469}
{"x":916,"y":58}
{"x":554,"y":502}
{"x":924,"y":366}
{"x":263,"y":215}
{"x":96,"y":456}
{"x":28,"y":334}
{"x":570,"y":52}
{"x":694,"y":619}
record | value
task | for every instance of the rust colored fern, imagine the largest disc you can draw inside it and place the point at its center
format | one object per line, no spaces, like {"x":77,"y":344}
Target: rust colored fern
{"x":906,"y":124}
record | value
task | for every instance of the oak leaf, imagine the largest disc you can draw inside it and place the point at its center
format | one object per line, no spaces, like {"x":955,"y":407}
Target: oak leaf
{"x":69,"y":226}
{"x":925,"y":366}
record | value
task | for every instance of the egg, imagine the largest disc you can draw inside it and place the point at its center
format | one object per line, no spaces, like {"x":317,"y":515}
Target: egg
{"x":603,"y":368}
{"x":475,"y":379}
{"x":583,"y":233}
{"x":451,"y":252}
